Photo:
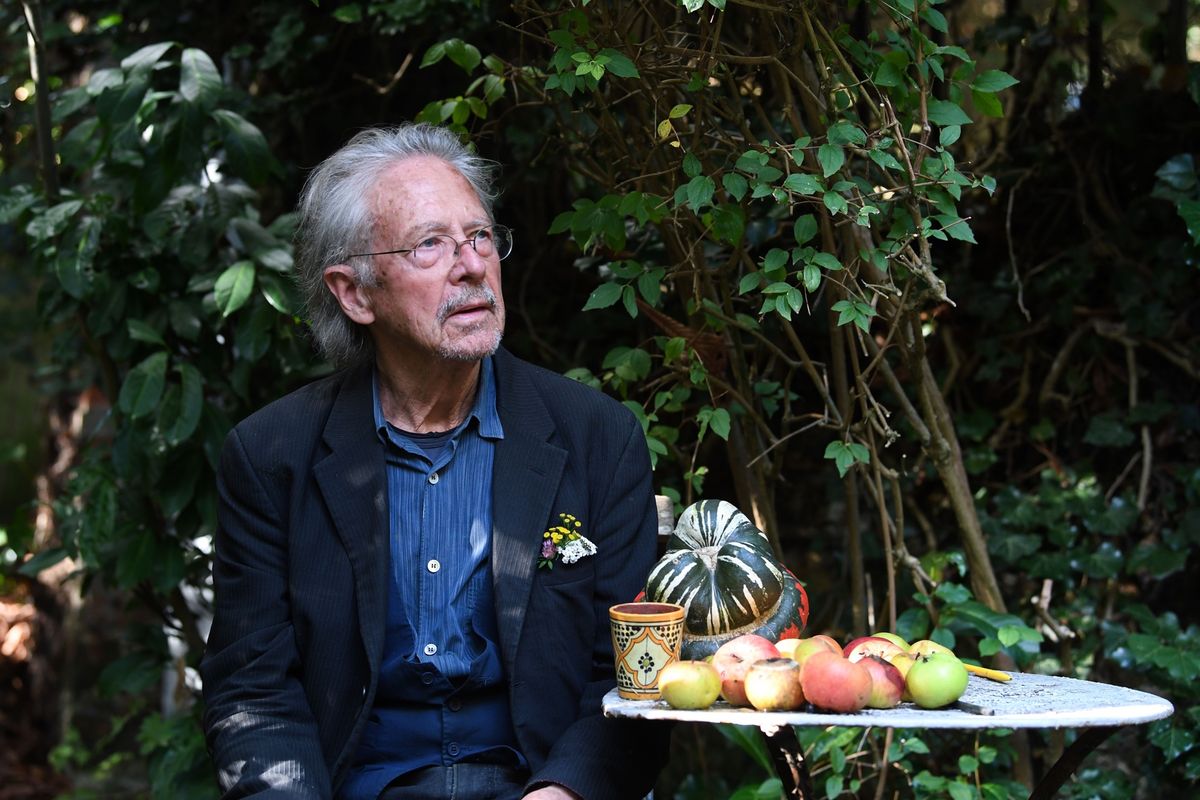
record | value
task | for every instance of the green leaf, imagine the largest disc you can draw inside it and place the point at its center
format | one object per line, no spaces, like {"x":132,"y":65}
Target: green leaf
{"x":233,"y":287}
{"x":957,"y":228}
{"x":679,"y":110}
{"x":987,"y":104}
{"x":349,"y":14}
{"x":180,"y":422}
{"x":433,"y":55}
{"x":618,"y":63}
{"x":993,"y":80}
{"x":700,"y":192}
{"x":143,"y":386}
{"x":1189,"y":210}
{"x":41,"y":561}
{"x":199,"y":80}
{"x":805,"y":228}
{"x":140,"y":331}
{"x":835,"y":203}
{"x":802,"y":183}
{"x":831,"y":157}
{"x":463,"y":54}
{"x":827,"y":261}
{"x":845,"y":132}
{"x":889,"y":75}
{"x":604,"y":295}
{"x":811,"y":276}
{"x":735,"y":184}
{"x":943,"y":112}
{"x":1107,"y":430}
{"x":148,"y":56}
{"x":774,"y":259}
{"x":691,"y":165}
{"x":245,"y":146}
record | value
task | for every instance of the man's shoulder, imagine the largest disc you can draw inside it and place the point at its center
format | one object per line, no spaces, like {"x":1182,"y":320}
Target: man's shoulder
{"x":557,"y":390}
{"x":306,"y":407}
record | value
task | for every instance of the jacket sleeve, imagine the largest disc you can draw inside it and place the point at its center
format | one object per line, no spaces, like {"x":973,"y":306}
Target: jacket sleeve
{"x":597,"y":757}
{"x":258,"y":723}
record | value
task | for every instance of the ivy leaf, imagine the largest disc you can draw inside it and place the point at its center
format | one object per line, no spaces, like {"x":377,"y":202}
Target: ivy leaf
{"x":831,"y":157}
{"x":943,"y":112}
{"x":233,"y":287}
{"x":143,"y":386}
{"x":603,"y":296}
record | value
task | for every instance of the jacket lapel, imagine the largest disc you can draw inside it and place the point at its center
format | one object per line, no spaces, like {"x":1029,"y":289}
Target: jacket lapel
{"x":525,"y":479}
{"x":355,"y":491}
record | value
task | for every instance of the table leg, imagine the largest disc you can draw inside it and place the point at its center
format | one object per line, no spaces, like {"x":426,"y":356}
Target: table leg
{"x":1052,"y":781}
{"x":788,"y":756}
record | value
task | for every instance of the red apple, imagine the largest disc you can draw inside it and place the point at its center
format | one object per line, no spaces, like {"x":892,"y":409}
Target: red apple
{"x":903,"y":662}
{"x":733,"y":660}
{"x":887,"y":684}
{"x":865,"y":646}
{"x":689,"y":684}
{"x":773,"y":684}
{"x":799,"y":650}
{"x":835,"y":683}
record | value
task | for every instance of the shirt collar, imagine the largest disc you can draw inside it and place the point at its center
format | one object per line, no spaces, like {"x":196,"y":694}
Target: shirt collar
{"x":484,"y":411}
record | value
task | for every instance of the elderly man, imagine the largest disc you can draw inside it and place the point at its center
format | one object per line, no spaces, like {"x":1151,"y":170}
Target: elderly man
{"x":416,"y":554}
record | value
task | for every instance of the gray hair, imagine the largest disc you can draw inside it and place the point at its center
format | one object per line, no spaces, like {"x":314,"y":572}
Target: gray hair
{"x":336,"y":220}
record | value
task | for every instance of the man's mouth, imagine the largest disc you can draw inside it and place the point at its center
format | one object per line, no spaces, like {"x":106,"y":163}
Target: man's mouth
{"x":477,"y":303}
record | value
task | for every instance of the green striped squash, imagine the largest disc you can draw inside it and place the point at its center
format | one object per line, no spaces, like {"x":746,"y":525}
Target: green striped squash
{"x":721,"y":569}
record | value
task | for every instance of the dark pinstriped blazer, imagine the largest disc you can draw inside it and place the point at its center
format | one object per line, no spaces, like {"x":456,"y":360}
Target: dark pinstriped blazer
{"x":301,"y":570}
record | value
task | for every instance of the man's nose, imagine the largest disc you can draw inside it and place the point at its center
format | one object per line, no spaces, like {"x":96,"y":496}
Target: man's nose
{"x":468,"y":265}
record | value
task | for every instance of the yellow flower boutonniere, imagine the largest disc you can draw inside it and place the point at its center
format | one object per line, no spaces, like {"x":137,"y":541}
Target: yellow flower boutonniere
{"x":564,"y":542}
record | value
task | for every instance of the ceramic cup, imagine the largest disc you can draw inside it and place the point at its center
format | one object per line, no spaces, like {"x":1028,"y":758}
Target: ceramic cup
{"x":646,"y":637}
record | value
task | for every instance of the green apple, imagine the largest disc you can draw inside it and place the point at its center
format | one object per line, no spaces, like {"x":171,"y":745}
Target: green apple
{"x":689,"y":684}
{"x":936,"y":680}
{"x":893,"y":638}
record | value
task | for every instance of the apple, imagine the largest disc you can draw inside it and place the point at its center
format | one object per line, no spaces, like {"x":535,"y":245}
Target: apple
{"x":835,"y":683}
{"x":926,"y":646}
{"x":799,"y":650}
{"x":773,"y":684}
{"x":936,"y":680}
{"x":689,"y":684}
{"x":865,"y":646}
{"x":733,"y":660}
{"x":893,"y":638}
{"x":903,"y":663}
{"x":887,"y":684}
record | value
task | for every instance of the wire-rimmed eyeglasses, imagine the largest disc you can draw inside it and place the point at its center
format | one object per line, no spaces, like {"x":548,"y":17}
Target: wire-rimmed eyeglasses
{"x":494,"y":240}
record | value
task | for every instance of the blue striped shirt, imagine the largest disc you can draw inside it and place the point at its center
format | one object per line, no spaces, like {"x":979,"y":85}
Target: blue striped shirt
{"x":440,"y":518}
{"x":441,"y":695}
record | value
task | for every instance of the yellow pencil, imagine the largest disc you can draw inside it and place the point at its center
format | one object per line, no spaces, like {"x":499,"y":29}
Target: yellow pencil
{"x":990,"y":674}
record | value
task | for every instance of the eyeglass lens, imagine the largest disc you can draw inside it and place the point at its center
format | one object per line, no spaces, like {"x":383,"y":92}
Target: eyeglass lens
{"x":494,"y":240}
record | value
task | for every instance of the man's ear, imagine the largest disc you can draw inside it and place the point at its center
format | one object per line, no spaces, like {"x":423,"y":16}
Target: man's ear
{"x":341,"y":281}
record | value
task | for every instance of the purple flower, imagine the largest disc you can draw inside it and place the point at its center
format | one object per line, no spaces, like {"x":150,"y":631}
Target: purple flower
{"x":548,"y":549}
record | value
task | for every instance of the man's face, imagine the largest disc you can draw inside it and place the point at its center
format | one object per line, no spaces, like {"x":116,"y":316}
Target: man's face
{"x":453,"y":310}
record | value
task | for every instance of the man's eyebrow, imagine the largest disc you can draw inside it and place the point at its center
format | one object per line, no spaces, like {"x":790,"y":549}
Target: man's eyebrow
{"x":442,"y":227}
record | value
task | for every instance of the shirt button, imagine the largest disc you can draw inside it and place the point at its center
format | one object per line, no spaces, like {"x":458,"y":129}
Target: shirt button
{"x":433,"y":477}
{"x":454,"y":704}
{"x":426,"y":678}
{"x":434,"y":565}
{"x":431,"y":649}
{"x":452,"y":748}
